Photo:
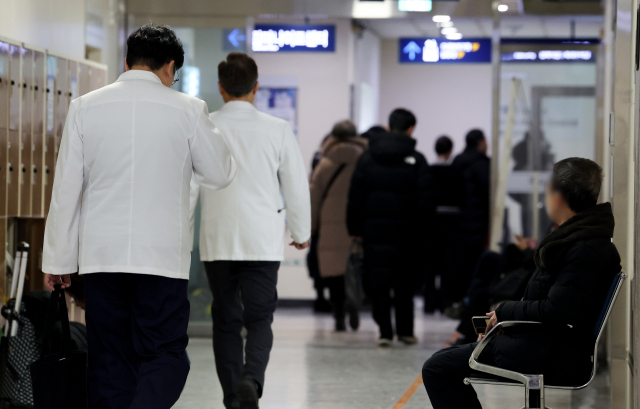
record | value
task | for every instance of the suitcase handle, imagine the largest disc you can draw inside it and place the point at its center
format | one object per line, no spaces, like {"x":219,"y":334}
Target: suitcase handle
{"x":57,"y":303}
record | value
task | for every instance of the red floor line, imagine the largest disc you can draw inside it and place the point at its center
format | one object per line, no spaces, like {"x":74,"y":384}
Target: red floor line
{"x":409,"y":393}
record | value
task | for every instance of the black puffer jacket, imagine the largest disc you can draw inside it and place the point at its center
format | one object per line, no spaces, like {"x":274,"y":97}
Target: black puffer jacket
{"x":475,"y":168}
{"x":576,"y":266}
{"x":383,"y":201}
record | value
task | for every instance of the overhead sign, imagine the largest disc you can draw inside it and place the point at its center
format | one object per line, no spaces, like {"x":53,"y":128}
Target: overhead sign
{"x":274,"y":38}
{"x":443,"y":51}
{"x":546,"y":56}
{"x":549,"y":50}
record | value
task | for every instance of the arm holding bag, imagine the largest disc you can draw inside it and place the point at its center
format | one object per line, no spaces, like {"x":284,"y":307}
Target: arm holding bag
{"x":59,"y":379}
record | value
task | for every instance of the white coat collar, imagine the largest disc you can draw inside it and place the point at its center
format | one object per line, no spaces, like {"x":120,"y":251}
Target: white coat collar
{"x":237,"y":106}
{"x":139,"y":75}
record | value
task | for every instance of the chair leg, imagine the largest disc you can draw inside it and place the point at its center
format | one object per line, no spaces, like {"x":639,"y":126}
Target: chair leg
{"x":534,"y":392}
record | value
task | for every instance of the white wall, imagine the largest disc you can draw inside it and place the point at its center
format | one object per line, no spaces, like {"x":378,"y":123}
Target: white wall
{"x":447,"y":99}
{"x":324,"y":96}
{"x":324,"y":81}
{"x":57,"y":25}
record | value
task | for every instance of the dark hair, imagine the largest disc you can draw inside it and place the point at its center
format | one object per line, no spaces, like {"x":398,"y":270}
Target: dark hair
{"x":444,"y":145}
{"x":579,"y":182}
{"x":344,"y":129}
{"x":374,"y":130}
{"x":474,"y":137}
{"x":154,"y":46}
{"x":401,"y":120}
{"x":238,"y":74}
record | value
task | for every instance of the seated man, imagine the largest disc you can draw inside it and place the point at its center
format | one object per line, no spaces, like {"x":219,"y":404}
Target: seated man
{"x":576,"y":265}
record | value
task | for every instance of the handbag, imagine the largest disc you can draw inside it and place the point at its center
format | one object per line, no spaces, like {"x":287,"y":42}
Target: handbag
{"x":59,"y":379}
{"x":354,"y":289}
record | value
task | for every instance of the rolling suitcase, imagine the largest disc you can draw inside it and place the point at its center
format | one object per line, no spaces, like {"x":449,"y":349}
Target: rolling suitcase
{"x":18,"y":348}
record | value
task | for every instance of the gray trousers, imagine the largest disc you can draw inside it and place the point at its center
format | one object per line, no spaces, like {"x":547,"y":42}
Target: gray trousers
{"x":244,"y":295}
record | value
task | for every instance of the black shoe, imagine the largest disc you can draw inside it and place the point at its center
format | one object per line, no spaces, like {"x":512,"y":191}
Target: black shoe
{"x":322,"y":306}
{"x":354,"y":319}
{"x":247,"y":394}
{"x":340,"y":325}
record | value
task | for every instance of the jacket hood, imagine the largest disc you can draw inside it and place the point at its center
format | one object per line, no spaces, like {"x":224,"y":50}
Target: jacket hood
{"x":344,"y":150}
{"x":592,"y":223}
{"x":390,"y":148}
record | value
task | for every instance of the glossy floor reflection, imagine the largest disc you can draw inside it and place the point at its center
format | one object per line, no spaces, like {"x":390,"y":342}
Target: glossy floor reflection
{"x":313,"y":367}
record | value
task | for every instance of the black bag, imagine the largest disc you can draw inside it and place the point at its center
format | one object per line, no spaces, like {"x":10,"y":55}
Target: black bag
{"x":354,"y":290}
{"x":59,"y":379}
{"x":510,"y":286}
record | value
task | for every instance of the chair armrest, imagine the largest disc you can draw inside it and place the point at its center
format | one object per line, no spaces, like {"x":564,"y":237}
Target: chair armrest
{"x":473,"y":361}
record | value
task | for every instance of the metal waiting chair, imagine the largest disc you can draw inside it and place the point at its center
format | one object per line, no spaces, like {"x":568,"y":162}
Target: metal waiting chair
{"x":534,"y":384}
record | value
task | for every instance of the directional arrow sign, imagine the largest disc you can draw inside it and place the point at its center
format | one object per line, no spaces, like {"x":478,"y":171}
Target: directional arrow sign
{"x":235,"y":37}
{"x":412,"y":49}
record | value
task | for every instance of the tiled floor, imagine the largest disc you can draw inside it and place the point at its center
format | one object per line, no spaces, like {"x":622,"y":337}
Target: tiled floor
{"x":313,"y":367}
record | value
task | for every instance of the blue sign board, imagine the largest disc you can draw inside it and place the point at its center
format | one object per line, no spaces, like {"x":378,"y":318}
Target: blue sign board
{"x":443,"y":51}
{"x":234,"y":39}
{"x":277,"y":38}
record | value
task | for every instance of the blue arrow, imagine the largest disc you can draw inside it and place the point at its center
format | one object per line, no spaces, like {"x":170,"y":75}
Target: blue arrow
{"x":412,"y":49}
{"x":235,"y":37}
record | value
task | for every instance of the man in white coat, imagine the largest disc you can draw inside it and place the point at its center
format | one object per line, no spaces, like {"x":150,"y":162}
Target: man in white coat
{"x":120,"y":215}
{"x":242,"y":230}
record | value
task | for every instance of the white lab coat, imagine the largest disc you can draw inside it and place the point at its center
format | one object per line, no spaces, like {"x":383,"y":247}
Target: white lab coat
{"x":246,"y":221}
{"x":121,"y":191}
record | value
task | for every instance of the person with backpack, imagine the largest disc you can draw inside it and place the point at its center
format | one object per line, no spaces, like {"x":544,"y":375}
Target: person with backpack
{"x":384,"y":212}
{"x":329,"y":194}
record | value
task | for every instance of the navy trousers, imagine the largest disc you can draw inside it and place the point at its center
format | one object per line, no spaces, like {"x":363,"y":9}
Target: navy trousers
{"x":137,"y":335}
{"x":244,"y":294}
{"x":443,"y":376}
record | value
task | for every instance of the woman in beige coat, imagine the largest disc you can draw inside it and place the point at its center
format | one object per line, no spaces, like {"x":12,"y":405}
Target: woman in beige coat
{"x":330,"y":184}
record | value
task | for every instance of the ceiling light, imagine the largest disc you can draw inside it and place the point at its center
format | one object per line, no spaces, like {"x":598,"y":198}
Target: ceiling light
{"x":454,"y":36}
{"x":502,"y":8}
{"x":441,"y":19}
{"x":449,"y":30}
{"x":446,"y":24}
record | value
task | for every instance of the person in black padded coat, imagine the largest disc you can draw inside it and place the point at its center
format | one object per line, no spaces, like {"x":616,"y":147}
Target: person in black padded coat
{"x":474,"y":167}
{"x":576,"y":265}
{"x":383,"y":210}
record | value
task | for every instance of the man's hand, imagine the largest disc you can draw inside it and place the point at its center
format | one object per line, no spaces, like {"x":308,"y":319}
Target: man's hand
{"x":51,"y":280}
{"x":300,"y":246}
{"x":492,"y":322}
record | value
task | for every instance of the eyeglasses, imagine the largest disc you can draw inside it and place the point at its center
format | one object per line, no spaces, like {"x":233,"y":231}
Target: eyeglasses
{"x":176,"y":78}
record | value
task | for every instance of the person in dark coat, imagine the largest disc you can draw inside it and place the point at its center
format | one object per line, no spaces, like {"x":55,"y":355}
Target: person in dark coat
{"x":321,"y":304}
{"x":445,"y":186}
{"x":576,"y":265}
{"x":383,"y":210}
{"x":475,"y":169}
